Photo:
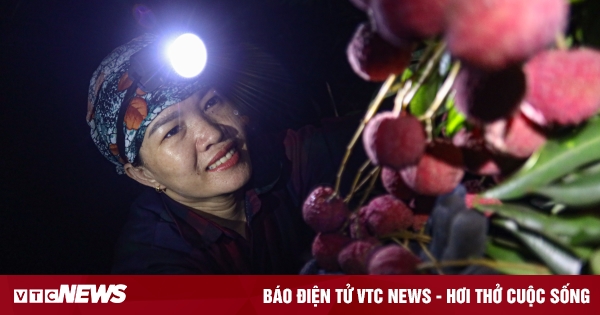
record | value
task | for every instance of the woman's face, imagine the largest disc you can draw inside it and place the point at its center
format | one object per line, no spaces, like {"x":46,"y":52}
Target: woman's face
{"x":197,"y":148}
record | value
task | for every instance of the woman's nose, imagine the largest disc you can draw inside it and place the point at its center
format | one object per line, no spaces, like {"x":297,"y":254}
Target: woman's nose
{"x":206,"y":133}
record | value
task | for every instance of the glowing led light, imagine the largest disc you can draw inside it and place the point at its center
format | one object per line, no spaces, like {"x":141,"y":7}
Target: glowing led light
{"x":188,"y":55}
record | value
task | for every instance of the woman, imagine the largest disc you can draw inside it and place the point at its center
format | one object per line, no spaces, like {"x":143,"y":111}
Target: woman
{"x":222,"y":197}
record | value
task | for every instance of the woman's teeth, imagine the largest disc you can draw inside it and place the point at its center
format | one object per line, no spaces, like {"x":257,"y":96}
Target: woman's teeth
{"x":222,"y":160}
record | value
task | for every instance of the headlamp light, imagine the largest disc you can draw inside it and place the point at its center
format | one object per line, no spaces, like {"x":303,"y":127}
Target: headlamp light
{"x":158,"y":63}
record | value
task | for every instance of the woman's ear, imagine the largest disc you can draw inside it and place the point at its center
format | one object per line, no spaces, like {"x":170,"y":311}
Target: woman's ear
{"x":141,"y":175}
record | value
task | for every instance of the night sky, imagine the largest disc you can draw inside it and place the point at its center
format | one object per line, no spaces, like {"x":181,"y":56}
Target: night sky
{"x":62,"y":203}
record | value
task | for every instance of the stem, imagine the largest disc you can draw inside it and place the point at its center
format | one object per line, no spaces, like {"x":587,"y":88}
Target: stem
{"x":366,"y":179}
{"x":430,"y":256}
{"x":437,"y":54}
{"x":409,"y":235}
{"x":486,"y":263}
{"x":371,"y":185}
{"x":398,"y":101}
{"x":561,"y":41}
{"x":439,"y":99}
{"x":370,"y":113}
{"x":356,"y":179}
{"x":403,"y":244}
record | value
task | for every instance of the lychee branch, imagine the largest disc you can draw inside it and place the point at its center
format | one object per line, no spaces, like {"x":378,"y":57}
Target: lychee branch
{"x":356,"y":179}
{"x":373,"y":107}
{"x":366,"y":179}
{"x":439,"y":99}
{"x":437,"y":54}
{"x":403,"y":244}
{"x":404,"y":234}
{"x":430,"y":256}
{"x":377,"y":170}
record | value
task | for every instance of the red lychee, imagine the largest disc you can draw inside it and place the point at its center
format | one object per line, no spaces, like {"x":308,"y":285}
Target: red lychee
{"x":358,"y":225}
{"x":392,"y":260}
{"x":394,"y":141}
{"x":439,"y":171}
{"x":353,"y":258}
{"x":374,"y":59}
{"x":515,"y":136}
{"x":486,"y":96}
{"x":386,"y":214}
{"x":326,"y":248}
{"x":393,"y":183}
{"x":401,"y":20}
{"x":324,"y":213}
{"x":563,"y":87}
{"x":419,"y":221}
{"x":493,"y":34}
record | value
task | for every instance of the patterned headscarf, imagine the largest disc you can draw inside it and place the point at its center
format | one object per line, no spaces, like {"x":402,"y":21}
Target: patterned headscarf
{"x":107,"y":89}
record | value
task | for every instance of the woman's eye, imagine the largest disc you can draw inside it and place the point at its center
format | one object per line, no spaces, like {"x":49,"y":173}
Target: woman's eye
{"x":172,"y":132}
{"x":212,"y":102}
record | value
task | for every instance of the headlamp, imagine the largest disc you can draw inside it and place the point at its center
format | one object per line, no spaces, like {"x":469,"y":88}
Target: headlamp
{"x":159,"y":63}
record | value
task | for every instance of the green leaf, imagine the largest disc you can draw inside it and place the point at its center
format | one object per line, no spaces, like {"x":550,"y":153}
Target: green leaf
{"x":504,"y":254}
{"x":575,"y":230}
{"x":557,"y":258}
{"x":595,"y":262}
{"x":455,"y":121}
{"x":424,"y":96}
{"x":557,"y":158}
{"x":581,"y":192}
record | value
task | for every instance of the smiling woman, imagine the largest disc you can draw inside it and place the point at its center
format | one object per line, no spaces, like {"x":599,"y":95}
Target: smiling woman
{"x":223,"y":195}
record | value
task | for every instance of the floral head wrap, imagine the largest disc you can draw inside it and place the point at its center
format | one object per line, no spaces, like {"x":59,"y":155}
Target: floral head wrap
{"x":106,"y":92}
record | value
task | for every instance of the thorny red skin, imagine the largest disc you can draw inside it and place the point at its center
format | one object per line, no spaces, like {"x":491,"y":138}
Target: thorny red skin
{"x":399,"y":21}
{"x":358,"y":225}
{"x":393,"y":184}
{"x":374,"y":59}
{"x":563,"y":87}
{"x":392,"y":260}
{"x":507,"y":31}
{"x":515,"y":136}
{"x":439,"y":171}
{"x":393,"y":141}
{"x":353,"y":258}
{"x":326,"y":248}
{"x":323,"y":213}
{"x":476,"y":157}
{"x":479,"y":96}
{"x":386,"y":214}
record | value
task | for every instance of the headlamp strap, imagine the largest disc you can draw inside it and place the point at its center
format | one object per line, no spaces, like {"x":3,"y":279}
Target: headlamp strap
{"x":129,"y":95}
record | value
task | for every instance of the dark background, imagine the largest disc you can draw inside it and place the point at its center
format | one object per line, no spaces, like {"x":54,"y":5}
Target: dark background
{"x":62,"y":204}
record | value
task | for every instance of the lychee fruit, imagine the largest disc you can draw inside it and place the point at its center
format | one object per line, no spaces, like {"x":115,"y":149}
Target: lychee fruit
{"x":392,"y":260}
{"x":326,"y":248}
{"x":374,"y":59}
{"x":324,"y":213}
{"x":438,"y":172}
{"x":563,"y":87}
{"x":486,"y":96}
{"x":515,"y":136}
{"x":386,"y":214}
{"x":493,"y":34}
{"x":394,"y":141}
{"x":398,"y":21}
{"x":419,"y":221}
{"x":393,"y":184}
{"x":353,"y":258}
{"x":358,"y":225}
